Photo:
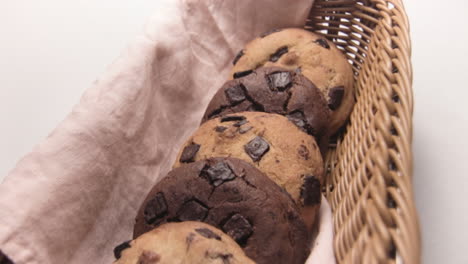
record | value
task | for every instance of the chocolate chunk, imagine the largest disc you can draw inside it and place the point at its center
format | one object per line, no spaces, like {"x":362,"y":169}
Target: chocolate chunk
{"x":310,"y":190}
{"x":235,"y":94}
{"x":189,"y":152}
{"x":155,"y":208}
{"x":303,"y":152}
{"x":279,"y":81}
{"x":269,"y":32}
{"x":240,"y":123}
{"x":241,"y":74}
{"x":323,"y":43}
{"x":256,"y":148}
{"x":244,"y":129}
{"x":278,"y":53}
{"x":192,"y":211}
{"x":232,"y":118}
{"x":207,"y":233}
{"x":336,"y":96}
{"x":148,"y":257}
{"x":118,"y":249}
{"x":298,"y":70}
{"x":238,"y":228}
{"x":238,"y":56}
{"x":219,"y":173}
{"x":189,"y":240}
{"x":220,"y":129}
{"x":297,"y":118}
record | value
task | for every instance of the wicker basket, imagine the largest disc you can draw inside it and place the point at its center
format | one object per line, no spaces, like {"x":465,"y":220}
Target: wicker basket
{"x":369,"y":183}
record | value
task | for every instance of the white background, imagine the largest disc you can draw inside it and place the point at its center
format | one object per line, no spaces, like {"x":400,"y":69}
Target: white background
{"x":52,"y":50}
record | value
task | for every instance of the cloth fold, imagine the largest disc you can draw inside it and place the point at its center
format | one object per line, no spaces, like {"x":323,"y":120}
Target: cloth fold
{"x":75,"y":195}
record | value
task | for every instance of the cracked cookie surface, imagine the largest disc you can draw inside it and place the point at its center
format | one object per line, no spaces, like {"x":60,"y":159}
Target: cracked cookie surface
{"x":235,"y":197}
{"x":311,"y":54}
{"x":272,"y":143}
{"x":275,"y":90}
{"x":186,"y":242}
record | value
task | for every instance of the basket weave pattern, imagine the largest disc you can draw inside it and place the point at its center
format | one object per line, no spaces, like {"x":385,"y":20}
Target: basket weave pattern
{"x":369,"y":183}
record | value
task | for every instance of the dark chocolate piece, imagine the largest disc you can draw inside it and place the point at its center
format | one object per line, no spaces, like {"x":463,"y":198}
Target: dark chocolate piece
{"x":336,"y":96}
{"x":219,"y":173}
{"x":189,"y":152}
{"x":220,"y":129}
{"x":245,"y":129}
{"x":238,"y":228}
{"x":232,"y":118}
{"x":323,"y":43}
{"x":235,"y":94}
{"x":297,"y":118}
{"x":205,"y":232}
{"x":241,"y":74}
{"x":238,"y":56}
{"x":155,"y":208}
{"x":189,"y":240}
{"x":310,"y":191}
{"x":279,"y":81}
{"x":278,"y":53}
{"x":303,"y":152}
{"x":192,"y":211}
{"x":256,"y":148}
{"x":118,"y":249}
{"x":240,"y":123}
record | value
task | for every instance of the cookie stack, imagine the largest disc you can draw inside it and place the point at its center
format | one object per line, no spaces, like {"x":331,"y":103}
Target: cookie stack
{"x":245,"y":186}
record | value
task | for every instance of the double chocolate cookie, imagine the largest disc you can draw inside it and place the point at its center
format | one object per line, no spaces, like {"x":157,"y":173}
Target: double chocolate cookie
{"x":186,"y":242}
{"x":274,"y":90}
{"x":314,"y":56}
{"x":272,"y":143}
{"x":235,"y":197}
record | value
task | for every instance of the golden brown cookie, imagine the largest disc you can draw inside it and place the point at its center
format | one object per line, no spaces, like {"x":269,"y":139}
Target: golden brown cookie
{"x":276,"y":146}
{"x":185,"y":242}
{"x":311,"y":54}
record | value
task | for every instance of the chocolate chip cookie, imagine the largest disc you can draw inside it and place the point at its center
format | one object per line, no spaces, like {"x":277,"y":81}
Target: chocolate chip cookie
{"x":235,"y":197}
{"x":272,"y":143}
{"x":274,"y":90}
{"x":186,"y":242}
{"x":313,"y":55}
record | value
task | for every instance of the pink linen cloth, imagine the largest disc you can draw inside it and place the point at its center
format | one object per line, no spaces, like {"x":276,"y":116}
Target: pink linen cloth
{"x":75,"y":195}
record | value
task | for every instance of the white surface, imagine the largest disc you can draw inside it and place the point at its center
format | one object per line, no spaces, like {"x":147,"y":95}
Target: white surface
{"x":46,"y":44}
{"x":440,"y":62}
{"x":50,"y":52}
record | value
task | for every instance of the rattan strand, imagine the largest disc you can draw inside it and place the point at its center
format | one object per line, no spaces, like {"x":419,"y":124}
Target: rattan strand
{"x":369,"y":183}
